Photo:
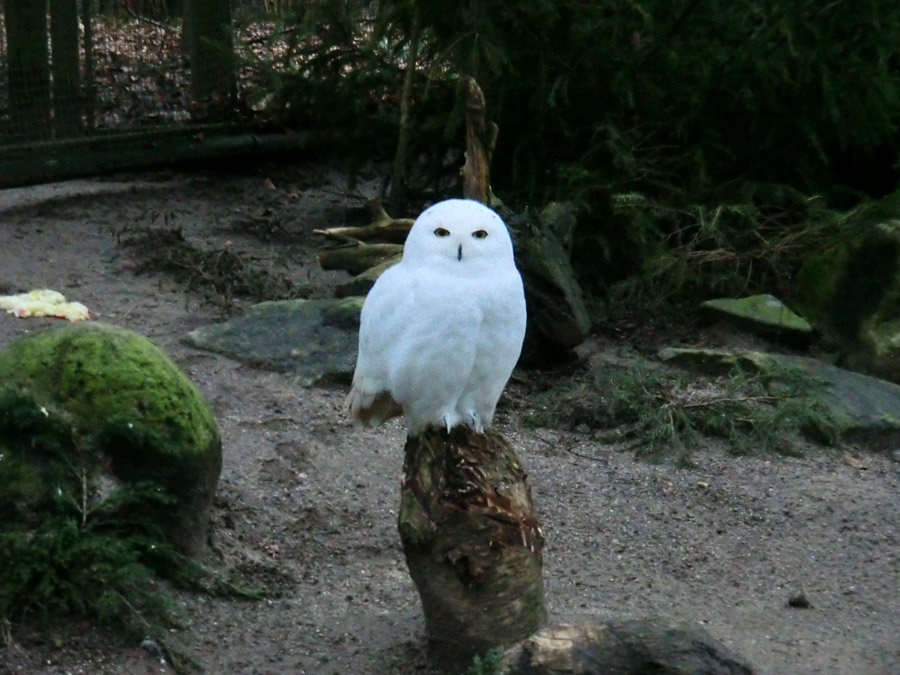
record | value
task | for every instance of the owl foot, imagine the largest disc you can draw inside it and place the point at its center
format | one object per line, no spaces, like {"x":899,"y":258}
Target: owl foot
{"x":475,"y":422}
{"x":450,"y":420}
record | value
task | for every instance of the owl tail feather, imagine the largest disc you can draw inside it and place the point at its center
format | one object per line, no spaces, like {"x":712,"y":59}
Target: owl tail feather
{"x":370,"y":410}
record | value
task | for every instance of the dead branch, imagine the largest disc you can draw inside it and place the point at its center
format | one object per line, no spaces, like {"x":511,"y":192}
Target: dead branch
{"x":382,"y":228}
{"x":355,"y":256}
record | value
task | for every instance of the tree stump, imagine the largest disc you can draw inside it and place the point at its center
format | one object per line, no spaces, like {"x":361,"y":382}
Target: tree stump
{"x":472,"y":543}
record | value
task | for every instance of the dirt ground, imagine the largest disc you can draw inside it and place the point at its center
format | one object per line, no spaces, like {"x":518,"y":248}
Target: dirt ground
{"x":306,"y":503}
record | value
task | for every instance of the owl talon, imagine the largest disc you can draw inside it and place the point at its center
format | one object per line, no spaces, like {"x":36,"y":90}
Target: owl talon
{"x":475,"y":422}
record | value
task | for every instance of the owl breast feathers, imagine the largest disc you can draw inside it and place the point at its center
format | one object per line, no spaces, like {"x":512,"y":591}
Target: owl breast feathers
{"x":442,"y":330}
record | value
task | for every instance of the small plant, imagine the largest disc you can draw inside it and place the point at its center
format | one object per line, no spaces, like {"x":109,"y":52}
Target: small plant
{"x":662,"y":412}
{"x":77,"y":544}
{"x":489,"y":664}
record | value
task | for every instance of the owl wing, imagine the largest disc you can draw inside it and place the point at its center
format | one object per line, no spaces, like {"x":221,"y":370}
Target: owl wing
{"x":370,"y":401}
{"x":497,"y":347}
{"x":416,"y":349}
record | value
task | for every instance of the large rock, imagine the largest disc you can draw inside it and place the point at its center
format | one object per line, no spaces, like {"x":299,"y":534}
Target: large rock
{"x":850,"y":288}
{"x":313,"y":340}
{"x":635,"y":647}
{"x":133,"y":414}
{"x":558,"y":319}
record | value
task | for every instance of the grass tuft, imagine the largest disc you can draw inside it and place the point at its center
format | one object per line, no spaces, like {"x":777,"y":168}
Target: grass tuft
{"x":663,"y":413}
{"x":220,"y":276}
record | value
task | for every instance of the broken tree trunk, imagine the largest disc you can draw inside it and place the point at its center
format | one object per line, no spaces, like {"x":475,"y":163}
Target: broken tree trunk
{"x":481,"y":137}
{"x":472,"y":542}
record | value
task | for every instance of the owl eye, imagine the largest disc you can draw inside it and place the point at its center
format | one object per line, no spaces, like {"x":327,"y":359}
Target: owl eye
{"x":479,"y":234}
{"x":441,"y":232}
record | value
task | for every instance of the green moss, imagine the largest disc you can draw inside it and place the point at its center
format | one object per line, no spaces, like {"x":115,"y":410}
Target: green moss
{"x":856,"y":273}
{"x":89,"y":370}
{"x":764,"y":309}
{"x":134,"y":415}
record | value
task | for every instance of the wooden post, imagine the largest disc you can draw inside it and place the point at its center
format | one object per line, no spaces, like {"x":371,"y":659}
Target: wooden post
{"x":472,"y":542}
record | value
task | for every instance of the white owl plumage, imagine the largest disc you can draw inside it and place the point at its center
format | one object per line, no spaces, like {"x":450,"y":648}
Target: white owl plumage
{"x":442,"y":330}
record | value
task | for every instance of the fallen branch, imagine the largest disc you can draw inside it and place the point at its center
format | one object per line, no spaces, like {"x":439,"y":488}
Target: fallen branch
{"x":709,"y":403}
{"x":383,"y":228}
{"x":355,"y":256}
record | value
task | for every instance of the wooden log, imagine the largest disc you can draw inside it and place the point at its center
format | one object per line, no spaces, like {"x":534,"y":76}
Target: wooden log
{"x":356,"y":256}
{"x":472,"y":542}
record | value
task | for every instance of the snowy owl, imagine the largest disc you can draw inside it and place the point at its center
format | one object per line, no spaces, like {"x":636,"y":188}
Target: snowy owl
{"x":441,"y":331}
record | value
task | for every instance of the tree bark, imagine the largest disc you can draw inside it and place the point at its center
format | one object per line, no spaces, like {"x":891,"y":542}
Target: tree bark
{"x":472,"y":542}
{"x":28,"y":68}
{"x":356,"y":256}
{"x":481,"y":136}
{"x":89,"y":100}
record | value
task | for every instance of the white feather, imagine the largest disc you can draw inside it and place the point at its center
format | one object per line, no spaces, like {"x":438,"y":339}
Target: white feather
{"x":441,"y":331}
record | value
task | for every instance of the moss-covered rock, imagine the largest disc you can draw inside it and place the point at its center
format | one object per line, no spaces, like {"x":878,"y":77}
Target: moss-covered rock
{"x":134,"y":417}
{"x":763,"y":314}
{"x":850,"y":288}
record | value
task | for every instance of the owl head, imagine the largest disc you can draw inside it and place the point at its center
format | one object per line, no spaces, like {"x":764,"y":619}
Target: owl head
{"x":459,"y":235}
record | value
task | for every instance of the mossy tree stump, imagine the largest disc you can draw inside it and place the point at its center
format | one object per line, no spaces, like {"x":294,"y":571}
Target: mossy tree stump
{"x":472,"y":542}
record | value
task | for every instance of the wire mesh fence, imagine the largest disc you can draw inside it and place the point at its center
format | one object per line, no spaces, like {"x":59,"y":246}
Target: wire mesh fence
{"x":75,"y":71}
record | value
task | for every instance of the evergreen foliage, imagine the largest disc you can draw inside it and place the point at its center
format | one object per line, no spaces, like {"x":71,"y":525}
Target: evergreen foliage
{"x":666,"y":120}
{"x":664,"y":414}
{"x":73,"y":543}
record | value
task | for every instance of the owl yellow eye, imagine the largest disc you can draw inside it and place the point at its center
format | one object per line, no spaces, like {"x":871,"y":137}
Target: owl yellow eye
{"x":441,"y":232}
{"x":479,"y":234}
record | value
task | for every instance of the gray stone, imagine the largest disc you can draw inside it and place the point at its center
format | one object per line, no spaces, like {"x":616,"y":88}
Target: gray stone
{"x":314,"y":340}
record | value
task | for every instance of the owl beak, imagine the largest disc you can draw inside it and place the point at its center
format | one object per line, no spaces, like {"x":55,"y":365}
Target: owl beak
{"x":459,"y":253}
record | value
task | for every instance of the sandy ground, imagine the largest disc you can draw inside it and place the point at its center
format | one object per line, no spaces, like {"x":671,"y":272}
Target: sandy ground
{"x":306,"y":503}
